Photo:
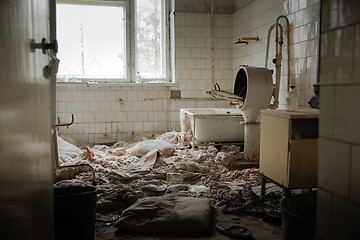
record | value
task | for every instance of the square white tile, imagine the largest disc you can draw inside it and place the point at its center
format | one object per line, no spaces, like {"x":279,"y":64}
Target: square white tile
{"x":327,"y":104}
{"x":347,"y":114}
{"x":334,"y":166}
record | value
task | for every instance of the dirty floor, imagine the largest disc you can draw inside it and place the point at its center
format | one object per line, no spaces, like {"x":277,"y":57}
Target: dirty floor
{"x":166,"y":166}
{"x":259,"y":230}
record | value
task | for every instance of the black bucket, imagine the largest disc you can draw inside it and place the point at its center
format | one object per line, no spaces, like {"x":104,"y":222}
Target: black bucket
{"x":298,"y":215}
{"x":75,"y":210}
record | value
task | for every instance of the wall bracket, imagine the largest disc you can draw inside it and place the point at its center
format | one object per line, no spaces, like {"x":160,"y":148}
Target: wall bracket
{"x":245,"y":40}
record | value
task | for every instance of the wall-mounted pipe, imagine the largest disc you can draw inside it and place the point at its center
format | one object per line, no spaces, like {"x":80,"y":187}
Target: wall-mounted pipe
{"x":279,"y":41}
{"x":212,"y":44}
{"x":288,"y":44}
{"x":314,"y":101}
{"x":268,"y":41}
{"x":276,"y":60}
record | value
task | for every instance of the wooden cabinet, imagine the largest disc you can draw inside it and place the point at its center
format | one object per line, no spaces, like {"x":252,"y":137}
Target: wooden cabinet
{"x":289,"y":147}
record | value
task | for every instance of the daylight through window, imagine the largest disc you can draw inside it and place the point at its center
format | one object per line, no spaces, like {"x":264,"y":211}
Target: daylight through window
{"x":97,"y":41}
{"x":150,"y":41}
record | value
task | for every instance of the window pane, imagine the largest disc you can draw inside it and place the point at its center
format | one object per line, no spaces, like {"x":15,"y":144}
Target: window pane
{"x":150,"y":38}
{"x":91,"y":41}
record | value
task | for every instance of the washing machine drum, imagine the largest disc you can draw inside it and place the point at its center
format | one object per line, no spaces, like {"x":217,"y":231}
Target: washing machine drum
{"x":255,"y":86}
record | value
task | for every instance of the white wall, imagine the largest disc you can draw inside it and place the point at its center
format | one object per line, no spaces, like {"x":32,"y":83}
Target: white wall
{"x":193,"y":53}
{"x":339,"y":152}
{"x":101,"y":117}
{"x":255,"y":21}
{"x":108,"y":113}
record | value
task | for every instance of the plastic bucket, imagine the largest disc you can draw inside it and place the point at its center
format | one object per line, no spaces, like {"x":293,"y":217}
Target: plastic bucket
{"x":298,"y":215}
{"x":75,"y":210}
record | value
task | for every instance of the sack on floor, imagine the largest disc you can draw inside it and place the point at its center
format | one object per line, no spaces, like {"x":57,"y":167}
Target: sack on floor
{"x":157,"y":214}
{"x":146,"y":146}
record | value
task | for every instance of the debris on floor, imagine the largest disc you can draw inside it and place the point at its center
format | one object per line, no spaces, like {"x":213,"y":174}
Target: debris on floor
{"x":234,"y":231}
{"x":164,"y":167}
{"x":246,"y":177}
{"x":161,"y":214}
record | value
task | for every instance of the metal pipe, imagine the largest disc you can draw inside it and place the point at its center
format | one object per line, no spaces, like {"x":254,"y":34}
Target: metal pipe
{"x":277,"y":59}
{"x":56,"y":147}
{"x":77,"y":166}
{"x":65,"y":124}
{"x":182,"y":99}
{"x":288,"y":45}
{"x":319,"y":44}
{"x":279,"y":41}
{"x":268,"y":42}
{"x":54,"y":127}
{"x":212,"y":44}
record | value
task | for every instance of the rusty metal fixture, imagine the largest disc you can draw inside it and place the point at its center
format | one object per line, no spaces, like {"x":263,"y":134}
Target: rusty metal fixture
{"x":279,"y":41}
{"x":249,"y":123}
{"x":65,"y":124}
{"x":77,"y":166}
{"x":212,"y":43}
{"x":193,"y":144}
{"x":245,"y":40}
{"x":55,"y":127}
{"x":288,"y":44}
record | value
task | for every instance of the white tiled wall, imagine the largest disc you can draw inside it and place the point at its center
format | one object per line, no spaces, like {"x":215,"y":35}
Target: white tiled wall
{"x":108,"y":113}
{"x":113,"y":113}
{"x":339,"y":153}
{"x":193,"y":52}
{"x":100,"y":116}
{"x":255,"y":21}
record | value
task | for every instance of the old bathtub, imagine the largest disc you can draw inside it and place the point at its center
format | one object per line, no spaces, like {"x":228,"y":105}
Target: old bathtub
{"x":213,"y":125}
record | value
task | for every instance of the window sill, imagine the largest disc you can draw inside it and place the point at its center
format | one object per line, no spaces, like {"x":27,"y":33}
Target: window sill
{"x":117,"y":84}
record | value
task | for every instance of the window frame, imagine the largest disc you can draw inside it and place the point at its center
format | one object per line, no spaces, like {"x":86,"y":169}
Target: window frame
{"x":130,"y":44}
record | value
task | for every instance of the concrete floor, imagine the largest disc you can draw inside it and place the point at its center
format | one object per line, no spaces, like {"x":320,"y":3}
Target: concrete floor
{"x":259,"y":229}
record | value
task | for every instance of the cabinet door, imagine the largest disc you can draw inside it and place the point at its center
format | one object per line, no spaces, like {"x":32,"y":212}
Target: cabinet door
{"x":274,"y":140}
{"x":303,"y":163}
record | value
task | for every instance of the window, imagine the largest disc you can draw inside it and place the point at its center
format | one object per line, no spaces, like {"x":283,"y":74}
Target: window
{"x":150,"y":41}
{"x":112,"y":40}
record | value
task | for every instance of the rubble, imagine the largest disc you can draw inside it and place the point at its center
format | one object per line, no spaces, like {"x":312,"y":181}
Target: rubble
{"x":246,"y":177}
{"x":129,"y":171}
